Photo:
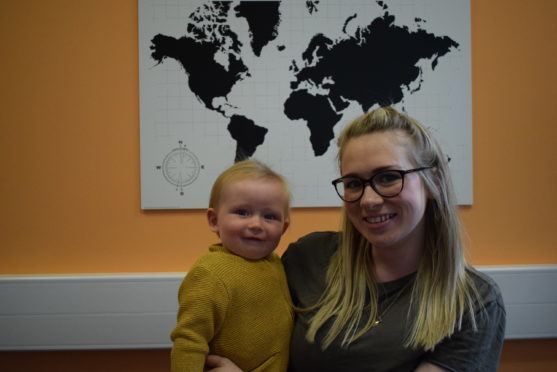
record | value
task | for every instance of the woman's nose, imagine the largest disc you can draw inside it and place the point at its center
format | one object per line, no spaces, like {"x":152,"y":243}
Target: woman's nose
{"x":370,"y":196}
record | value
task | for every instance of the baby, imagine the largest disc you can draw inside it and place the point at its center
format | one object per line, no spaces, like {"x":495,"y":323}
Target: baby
{"x":234,"y":302}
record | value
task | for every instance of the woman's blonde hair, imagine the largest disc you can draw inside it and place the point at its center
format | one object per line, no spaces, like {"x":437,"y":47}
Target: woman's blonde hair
{"x":442,"y":292}
{"x":247,"y":169}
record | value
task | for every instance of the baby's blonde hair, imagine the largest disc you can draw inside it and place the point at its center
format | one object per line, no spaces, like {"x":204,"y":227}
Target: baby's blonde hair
{"x":247,"y":169}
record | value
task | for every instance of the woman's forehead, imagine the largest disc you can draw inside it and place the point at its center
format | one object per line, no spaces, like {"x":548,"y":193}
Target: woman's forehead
{"x":381,"y":149}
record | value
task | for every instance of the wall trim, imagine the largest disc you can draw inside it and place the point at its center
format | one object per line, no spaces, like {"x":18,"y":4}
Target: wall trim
{"x":138,"y":311}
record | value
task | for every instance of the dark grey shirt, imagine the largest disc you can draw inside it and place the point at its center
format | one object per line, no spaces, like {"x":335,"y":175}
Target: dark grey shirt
{"x":382,"y":347}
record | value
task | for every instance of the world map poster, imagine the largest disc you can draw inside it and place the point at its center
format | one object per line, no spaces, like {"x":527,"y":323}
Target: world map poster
{"x":222,"y":81}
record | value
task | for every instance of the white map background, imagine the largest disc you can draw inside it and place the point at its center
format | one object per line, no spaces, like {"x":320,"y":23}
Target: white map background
{"x":173,"y":117}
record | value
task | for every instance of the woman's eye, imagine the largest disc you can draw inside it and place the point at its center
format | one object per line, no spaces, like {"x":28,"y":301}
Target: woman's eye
{"x":353,"y":184}
{"x":387,"y":178}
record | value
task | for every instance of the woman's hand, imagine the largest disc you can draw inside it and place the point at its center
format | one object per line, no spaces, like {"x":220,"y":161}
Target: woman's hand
{"x":215,"y":363}
{"x":429,"y":367}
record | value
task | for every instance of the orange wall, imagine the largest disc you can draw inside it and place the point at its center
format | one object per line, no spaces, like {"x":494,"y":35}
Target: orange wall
{"x":69,"y":152}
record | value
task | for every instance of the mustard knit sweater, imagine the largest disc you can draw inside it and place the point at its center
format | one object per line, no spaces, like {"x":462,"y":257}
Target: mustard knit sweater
{"x":236,"y":308}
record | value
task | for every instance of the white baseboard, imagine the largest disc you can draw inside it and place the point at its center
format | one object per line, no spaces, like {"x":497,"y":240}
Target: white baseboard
{"x":139,"y":311}
{"x":88,"y":312}
{"x":530,"y":296}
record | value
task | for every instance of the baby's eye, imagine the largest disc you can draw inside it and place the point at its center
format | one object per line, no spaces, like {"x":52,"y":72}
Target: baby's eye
{"x":241,"y":212}
{"x":272,"y":217}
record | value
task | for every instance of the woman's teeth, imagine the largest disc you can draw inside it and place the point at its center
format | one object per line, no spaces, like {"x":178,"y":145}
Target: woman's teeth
{"x":382,"y":218}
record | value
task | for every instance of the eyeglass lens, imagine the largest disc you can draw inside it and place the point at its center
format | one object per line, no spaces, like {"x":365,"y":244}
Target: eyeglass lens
{"x":387,"y":184}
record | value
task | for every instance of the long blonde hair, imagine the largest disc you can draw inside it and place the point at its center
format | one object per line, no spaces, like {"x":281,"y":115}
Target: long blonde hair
{"x":442,"y":293}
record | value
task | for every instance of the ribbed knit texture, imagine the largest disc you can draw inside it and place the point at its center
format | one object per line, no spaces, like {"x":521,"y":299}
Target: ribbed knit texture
{"x":236,"y":308}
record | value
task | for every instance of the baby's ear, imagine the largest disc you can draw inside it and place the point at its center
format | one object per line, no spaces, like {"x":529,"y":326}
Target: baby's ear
{"x":286,"y":224}
{"x":212,"y":220}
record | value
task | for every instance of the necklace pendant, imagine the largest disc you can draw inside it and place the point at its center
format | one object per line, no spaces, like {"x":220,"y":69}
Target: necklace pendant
{"x":376,"y":323}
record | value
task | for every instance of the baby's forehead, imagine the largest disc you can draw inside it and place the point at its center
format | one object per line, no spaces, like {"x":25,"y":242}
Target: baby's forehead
{"x":254,"y":180}
{"x":255,"y":185}
{"x":256,"y":188}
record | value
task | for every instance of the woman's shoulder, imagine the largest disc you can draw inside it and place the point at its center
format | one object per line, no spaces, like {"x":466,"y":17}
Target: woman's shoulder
{"x":318,"y":237}
{"x":319,"y":242}
{"x":487,"y":288}
{"x":306,"y":262}
{"x":313,"y":248}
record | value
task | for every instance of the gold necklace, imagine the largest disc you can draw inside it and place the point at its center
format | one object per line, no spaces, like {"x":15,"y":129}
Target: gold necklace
{"x":395,"y":299}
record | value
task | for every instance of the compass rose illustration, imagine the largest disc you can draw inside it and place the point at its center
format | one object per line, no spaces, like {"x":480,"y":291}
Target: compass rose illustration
{"x":180,"y":167}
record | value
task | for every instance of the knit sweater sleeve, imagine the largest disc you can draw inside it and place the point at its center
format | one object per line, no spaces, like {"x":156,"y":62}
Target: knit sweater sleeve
{"x":203,"y":300}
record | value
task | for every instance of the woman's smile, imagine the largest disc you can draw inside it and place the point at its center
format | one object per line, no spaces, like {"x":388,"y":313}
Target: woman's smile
{"x":379,"y":219}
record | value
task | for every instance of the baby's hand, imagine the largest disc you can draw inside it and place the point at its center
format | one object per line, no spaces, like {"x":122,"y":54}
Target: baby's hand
{"x":215,"y":363}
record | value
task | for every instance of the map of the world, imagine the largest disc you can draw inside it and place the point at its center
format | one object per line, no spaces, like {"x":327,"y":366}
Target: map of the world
{"x":222,"y":81}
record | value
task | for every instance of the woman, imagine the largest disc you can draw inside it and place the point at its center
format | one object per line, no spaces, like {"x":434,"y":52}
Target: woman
{"x":392,"y":291}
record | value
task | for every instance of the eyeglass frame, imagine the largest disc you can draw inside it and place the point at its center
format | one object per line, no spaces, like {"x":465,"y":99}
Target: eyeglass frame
{"x":369,"y":182}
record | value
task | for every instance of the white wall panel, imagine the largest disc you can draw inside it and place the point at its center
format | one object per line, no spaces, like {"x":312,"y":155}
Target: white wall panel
{"x":530,"y":296}
{"x":139,"y":311}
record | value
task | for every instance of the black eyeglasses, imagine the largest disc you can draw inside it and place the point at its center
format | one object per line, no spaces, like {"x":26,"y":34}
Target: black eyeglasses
{"x":387,"y":183}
